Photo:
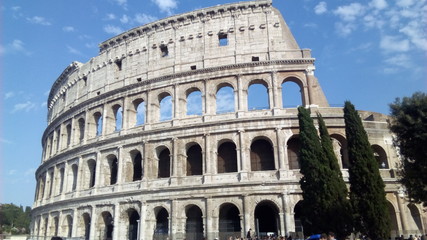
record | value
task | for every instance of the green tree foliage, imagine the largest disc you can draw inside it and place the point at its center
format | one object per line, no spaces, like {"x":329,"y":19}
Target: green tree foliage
{"x":316,"y":202}
{"x":339,"y":212}
{"x":367,"y":194}
{"x":409,"y":124}
{"x":14,"y":219}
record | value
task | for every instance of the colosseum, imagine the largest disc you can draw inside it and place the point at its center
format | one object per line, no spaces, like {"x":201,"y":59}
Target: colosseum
{"x":156,"y":138}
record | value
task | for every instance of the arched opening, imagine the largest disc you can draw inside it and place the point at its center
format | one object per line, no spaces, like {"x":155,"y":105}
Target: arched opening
{"x":105,"y":226}
{"x":92,"y":172}
{"x":118,"y":117}
{"x":393,"y":220}
{"x":292,"y":96}
{"x":85,"y":226}
{"x":113,"y":165}
{"x":55,"y":226}
{"x":133,"y":224}
{"x":258,"y":96}
{"x":81,"y":124}
{"x":225,"y":100}
{"x":74,"y":169}
{"x":68,"y":225}
{"x":227,"y":157}
{"x":194,"y":223}
{"x":293,"y":148}
{"x":164,"y":164}
{"x":68,"y":131}
{"x":298,"y":220}
{"x":61,"y":180}
{"x":165,"y":101}
{"x":140,"y":110}
{"x":161,"y":230}
{"x":262,"y":155}
{"x":340,"y":148}
{"x":414,"y":222}
{"x":380,"y":156}
{"x":194,"y":160}
{"x":98,"y":123}
{"x":137,"y":167}
{"x":267,"y":220}
{"x":229,"y":221}
{"x":194,"y":102}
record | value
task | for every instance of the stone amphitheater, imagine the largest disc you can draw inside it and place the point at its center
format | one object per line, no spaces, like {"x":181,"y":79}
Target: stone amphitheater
{"x":127,"y":156}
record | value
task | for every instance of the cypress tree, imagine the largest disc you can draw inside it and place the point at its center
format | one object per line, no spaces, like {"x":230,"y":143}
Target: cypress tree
{"x":313,"y":182}
{"x":339,"y":209}
{"x":367,"y":194}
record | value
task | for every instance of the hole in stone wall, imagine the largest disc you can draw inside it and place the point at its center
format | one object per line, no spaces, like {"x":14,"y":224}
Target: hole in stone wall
{"x":139,"y":79}
{"x":118,"y":65}
{"x":255,"y":59}
{"x":193,"y":67}
{"x":165,"y":51}
{"x":223,"y":40}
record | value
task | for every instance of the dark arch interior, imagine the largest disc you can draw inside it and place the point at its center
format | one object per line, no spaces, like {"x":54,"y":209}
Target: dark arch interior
{"x":162,"y":225}
{"x":194,"y":161}
{"x":164,"y":164}
{"x":262,"y":156}
{"x":133,"y":225}
{"x":137,"y":167}
{"x":194,"y":224}
{"x":293,"y":153}
{"x":113,"y":169}
{"x":229,"y":219}
{"x":266,"y":219}
{"x":227,"y":158}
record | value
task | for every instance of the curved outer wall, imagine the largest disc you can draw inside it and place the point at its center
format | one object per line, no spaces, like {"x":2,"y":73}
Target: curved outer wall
{"x":112,"y":168}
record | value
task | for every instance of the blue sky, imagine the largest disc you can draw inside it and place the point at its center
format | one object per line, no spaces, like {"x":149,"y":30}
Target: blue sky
{"x":369,"y":52}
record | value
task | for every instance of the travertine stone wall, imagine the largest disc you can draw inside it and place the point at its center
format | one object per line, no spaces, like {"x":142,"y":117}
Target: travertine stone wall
{"x":112,"y":168}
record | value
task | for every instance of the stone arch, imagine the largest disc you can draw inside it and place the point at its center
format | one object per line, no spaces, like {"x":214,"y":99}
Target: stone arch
{"x":165,"y":106}
{"x":133,"y":218}
{"x":97,"y":120}
{"x":161,"y":228}
{"x":258,"y":87}
{"x":415,"y":221}
{"x":380,"y":156}
{"x":105,"y":226}
{"x":138,"y":117}
{"x":61,"y":179}
{"x":90,"y":174}
{"x":225,"y":98}
{"x":164,"y":162}
{"x":292,"y":92}
{"x":83,"y":228}
{"x":74,"y":175}
{"x":393,"y":219}
{"x":293,"y":147}
{"x":111,"y":173}
{"x":118,"y":117}
{"x":266,"y":217}
{"x":55,"y":226}
{"x":81,"y":129}
{"x":135,"y":171}
{"x":194,"y":161}
{"x":262,"y":154}
{"x":229,"y":220}
{"x":298,"y":219}
{"x":226,"y":157}
{"x":68,"y":135}
{"x":194,"y":227}
{"x":67,"y":226}
{"x":339,"y":143}
{"x":194,"y":101}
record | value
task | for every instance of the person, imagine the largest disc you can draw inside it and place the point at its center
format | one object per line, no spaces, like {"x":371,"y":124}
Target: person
{"x":323,"y":236}
{"x":331,"y":236}
{"x":248,"y":235}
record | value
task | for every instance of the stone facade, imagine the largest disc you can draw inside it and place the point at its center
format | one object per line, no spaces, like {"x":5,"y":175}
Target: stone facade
{"x":114,"y":168}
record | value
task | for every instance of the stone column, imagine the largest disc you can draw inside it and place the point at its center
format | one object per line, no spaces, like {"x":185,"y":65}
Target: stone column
{"x":93,"y":225}
{"x":403,"y":216}
{"x":246,"y":214}
{"x":75,"y":223}
{"x":286,"y":212}
{"x":79,"y":176}
{"x":209,"y":163}
{"x":176,"y":114}
{"x":65,"y":179}
{"x":125,"y":114}
{"x":97,"y":171}
{"x":120,"y":167}
{"x":117,"y":223}
{"x":174,"y":157}
{"x":276,"y":88}
{"x":240,"y":96}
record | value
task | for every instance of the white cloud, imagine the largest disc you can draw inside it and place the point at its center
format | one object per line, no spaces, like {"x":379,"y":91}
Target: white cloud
{"x":350,"y":12}
{"x":400,"y":60}
{"x":15,"y":46}
{"x":12,"y":172}
{"x":68,"y":29}
{"x":345,"y":29}
{"x":113,"y":29}
{"x":194,"y":103}
{"x":39,"y":20}
{"x":166,"y":108}
{"x":415,"y":31}
{"x":9,"y":95}
{"x":394,"y":44}
{"x":321,"y":8}
{"x":2,"y":140}
{"x":372,"y":21}
{"x":18,"y":45}
{"x":404,"y":3}
{"x":26,"y":107}
{"x":166,"y":5}
{"x":310,"y":25}
{"x":143,"y":18}
{"x":110,"y":16}
{"x":124,"y":19}
{"x":122,"y":3}
{"x":44,"y":104}
{"x":225,"y":100}
{"x":16,"y":8}
{"x":30,"y":172}
{"x":378,"y":4}
{"x":73,"y":50}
